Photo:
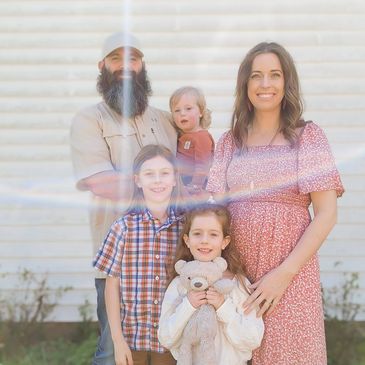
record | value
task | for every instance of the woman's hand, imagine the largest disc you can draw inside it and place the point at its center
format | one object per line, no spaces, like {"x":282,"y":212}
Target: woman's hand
{"x":122,"y":353}
{"x":214,"y":298}
{"x":197,"y":298}
{"x":268,"y":291}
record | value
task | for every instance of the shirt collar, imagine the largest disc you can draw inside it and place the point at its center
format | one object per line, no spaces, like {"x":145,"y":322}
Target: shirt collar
{"x":171,"y":216}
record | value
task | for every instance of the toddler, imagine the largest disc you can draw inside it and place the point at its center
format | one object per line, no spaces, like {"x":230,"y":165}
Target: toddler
{"x":195,"y":144}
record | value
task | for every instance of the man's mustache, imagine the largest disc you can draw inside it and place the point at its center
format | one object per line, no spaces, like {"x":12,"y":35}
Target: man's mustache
{"x":118,"y":74}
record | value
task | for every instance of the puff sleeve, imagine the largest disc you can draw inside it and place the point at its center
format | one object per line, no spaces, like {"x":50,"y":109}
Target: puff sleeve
{"x":316,"y":166}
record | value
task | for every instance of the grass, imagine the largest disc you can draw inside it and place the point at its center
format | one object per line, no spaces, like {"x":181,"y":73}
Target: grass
{"x":345,"y":342}
{"x":61,"y":351}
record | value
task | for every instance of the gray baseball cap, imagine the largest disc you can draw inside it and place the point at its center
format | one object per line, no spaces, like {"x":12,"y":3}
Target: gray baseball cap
{"x":121,"y":40}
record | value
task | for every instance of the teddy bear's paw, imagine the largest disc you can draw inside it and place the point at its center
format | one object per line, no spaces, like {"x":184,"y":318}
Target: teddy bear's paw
{"x":223,"y":286}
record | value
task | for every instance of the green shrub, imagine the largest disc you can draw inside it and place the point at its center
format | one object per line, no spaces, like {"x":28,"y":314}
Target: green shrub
{"x":345,"y":336}
{"x":24,"y":309}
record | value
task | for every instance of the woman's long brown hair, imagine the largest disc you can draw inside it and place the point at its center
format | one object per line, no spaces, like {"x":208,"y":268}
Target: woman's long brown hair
{"x":291,"y":105}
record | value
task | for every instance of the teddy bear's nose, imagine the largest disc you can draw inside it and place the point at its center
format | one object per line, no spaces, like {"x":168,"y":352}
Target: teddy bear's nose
{"x":198,"y":285}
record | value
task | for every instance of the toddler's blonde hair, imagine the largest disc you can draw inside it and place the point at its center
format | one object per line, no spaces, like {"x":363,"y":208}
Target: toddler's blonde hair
{"x":205,"y":120}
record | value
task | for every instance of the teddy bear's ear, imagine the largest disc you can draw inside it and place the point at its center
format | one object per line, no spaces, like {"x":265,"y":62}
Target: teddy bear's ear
{"x":179,"y":265}
{"x":221,"y":262}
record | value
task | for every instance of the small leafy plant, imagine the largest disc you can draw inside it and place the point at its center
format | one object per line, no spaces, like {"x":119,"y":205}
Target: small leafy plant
{"x":29,"y":304}
{"x":23,"y":329}
{"x":344,"y":335}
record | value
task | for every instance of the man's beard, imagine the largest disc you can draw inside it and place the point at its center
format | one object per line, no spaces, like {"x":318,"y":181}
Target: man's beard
{"x":127,"y":96}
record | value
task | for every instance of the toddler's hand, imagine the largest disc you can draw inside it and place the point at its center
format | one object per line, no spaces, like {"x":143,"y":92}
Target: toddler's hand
{"x":214,"y":298}
{"x":197,"y":298}
{"x":194,"y":189}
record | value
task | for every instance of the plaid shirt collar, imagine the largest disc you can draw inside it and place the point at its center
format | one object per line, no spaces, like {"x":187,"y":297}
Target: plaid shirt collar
{"x":171,"y":216}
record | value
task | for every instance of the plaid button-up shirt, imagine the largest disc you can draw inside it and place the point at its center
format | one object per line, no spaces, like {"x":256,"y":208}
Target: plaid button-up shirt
{"x":139,"y":249}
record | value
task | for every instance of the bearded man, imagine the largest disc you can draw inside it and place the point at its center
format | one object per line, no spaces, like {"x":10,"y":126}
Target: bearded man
{"x":105,"y":138}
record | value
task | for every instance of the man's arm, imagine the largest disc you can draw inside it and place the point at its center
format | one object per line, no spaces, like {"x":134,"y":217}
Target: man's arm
{"x":110,"y":184}
{"x":92,"y":161}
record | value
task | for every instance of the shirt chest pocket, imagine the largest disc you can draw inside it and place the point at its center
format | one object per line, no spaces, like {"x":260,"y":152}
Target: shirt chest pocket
{"x":122,"y":143}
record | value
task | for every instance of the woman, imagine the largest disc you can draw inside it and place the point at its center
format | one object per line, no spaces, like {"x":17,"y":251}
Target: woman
{"x":271,"y":165}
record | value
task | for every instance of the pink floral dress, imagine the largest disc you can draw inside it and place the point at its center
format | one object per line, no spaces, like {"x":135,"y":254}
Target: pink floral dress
{"x":269,"y":194}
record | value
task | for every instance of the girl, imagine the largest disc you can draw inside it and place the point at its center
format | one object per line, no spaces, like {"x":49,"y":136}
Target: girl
{"x":206,"y":236}
{"x":195,"y":144}
{"x":135,"y":253}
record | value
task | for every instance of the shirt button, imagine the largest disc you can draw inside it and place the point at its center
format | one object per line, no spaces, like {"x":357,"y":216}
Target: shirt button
{"x":155,"y":325}
{"x":157,"y":277}
{"x":155,"y":301}
{"x":157,"y":257}
{"x":143,"y":136}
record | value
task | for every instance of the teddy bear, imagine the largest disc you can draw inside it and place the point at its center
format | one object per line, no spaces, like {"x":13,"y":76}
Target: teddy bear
{"x":197,"y":344}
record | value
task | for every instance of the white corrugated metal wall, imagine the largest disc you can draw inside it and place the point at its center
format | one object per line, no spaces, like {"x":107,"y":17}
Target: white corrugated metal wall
{"x":48,"y":55}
